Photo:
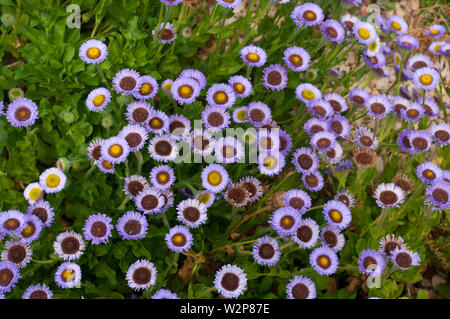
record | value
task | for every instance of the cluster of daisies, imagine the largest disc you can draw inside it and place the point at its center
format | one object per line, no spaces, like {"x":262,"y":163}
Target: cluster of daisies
{"x":328,"y":128}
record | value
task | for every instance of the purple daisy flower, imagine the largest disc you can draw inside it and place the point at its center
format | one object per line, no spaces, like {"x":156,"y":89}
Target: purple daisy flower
{"x":378,"y":106}
{"x":221,"y":95}
{"x":179,"y":239}
{"x":266,"y":251}
{"x":431,"y":108}
{"x":371,"y":262}
{"x":331,"y":237}
{"x":271,"y":163}
{"x":389,"y":243}
{"x":179,"y":127}
{"x":399,"y":104}
{"x":438,"y":195}
{"x":345,"y":197}
{"x":426,"y":78}
{"x":315,"y":125}
{"x":428,"y":172}
{"x":285,"y":221}
{"x":214,"y":178}
{"x":445,"y":49}
{"x":93,"y":51}
{"x":441,"y":133}
{"x":365,"y":138}
{"x":324,"y":260}
{"x":313,"y":181}
{"x":275,"y":77}
{"x":163,"y":149}
{"x":253,"y":186}
{"x":375,"y":61}
{"x":268,"y":140}
{"x":242,"y":87}
{"x":310,"y":13}
{"x":228,"y":150}
{"x":149,"y":201}
{"x":98,"y":99}
{"x":98,"y":228}
{"x":404,"y":141}
{"x":68,"y":275}
{"x":301,"y":287}
{"x":359,"y":96}
{"x":404,"y":259}
{"x":105,"y":166}
{"x":69,"y":245}
{"x":323,"y":141}
{"x":339,"y":126}
{"x":206,"y":197}
{"x":115,"y":149}
{"x":413,"y":112}
{"x":253,"y":55}
{"x":192,"y":212}
{"x":320,"y":108}
{"x":230,"y":281}
{"x":141,"y":275}
{"x":43,"y":211}
{"x":305,"y":160}
{"x":296,"y":16}
{"x":307,"y":233}
{"x":397,"y":24}
{"x":11,"y":222}
{"x":17,"y":252}
{"x":306,"y":92}
{"x":40,"y":291}
{"x":420,"y":140}
{"x":297,"y":58}
{"x":166,"y":86}
{"x":135,"y":135}
{"x":333,"y":30}
{"x":132,"y":226}
{"x":240,"y":115}
{"x":297,"y":199}
{"x":9,"y":275}
{"x":364,"y":32}
{"x":337,"y":102}
{"x":185,"y":90}
{"x":407,"y":42}
{"x":202,"y":142}
{"x":94,"y":149}
{"x":259,"y":113}
{"x":348,"y":21}
{"x":33,"y":228}
{"x":166,"y":33}
{"x":435,"y":30}
{"x":389,"y":195}
{"x":146,"y":88}
{"x":138,"y":112}
{"x":215,"y":118}
{"x":336,"y":213}
{"x":158,"y":122}
{"x":22,"y":112}
{"x":165,"y":294}
{"x":162,"y":177}
{"x":125,"y":81}
{"x":435,"y":47}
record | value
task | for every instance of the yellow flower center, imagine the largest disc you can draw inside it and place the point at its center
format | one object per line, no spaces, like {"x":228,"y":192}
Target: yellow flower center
{"x":252,"y":57}
{"x":93,"y":53}
{"x":335,"y":215}
{"x":185,"y":91}
{"x":270,"y":162}
{"x":295,"y":59}
{"x":146,"y":89}
{"x":168,"y":86}
{"x":309,"y":15}
{"x":373,"y":46}
{"x":156,"y":123}
{"x":22,"y":113}
{"x":287,"y":222}
{"x":178,"y":239}
{"x":203,"y":198}
{"x":11,"y":223}
{"x":68,"y":275}
{"x":238,"y":87}
{"x":99,"y":100}
{"x":397,"y":59}
{"x":434,"y":31}
{"x":437,"y":48}
{"x":52,"y":180}
{"x":426,"y":79}
{"x":220,"y":97}
{"x":364,"y":33}
{"x":308,"y":94}
{"x":106,"y":164}
{"x":242,"y":115}
{"x":324,"y":261}
{"x":35,"y":193}
{"x":396,"y":25}
{"x":162,"y":177}
{"x":229,"y":151}
{"x":27,"y":231}
{"x":214,"y":178}
{"x":115,"y":150}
